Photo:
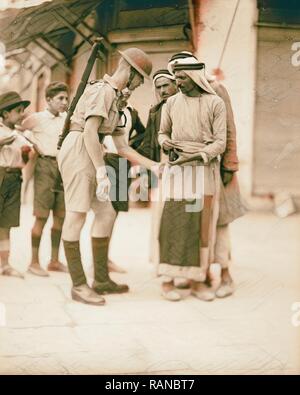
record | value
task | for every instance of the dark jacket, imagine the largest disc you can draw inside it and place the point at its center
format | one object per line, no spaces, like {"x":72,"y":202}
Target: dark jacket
{"x":150,"y":147}
{"x":135,"y":139}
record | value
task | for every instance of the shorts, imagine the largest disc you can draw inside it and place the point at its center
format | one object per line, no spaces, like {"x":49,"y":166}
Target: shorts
{"x":48,"y":189}
{"x":10,"y":199}
{"x":79,"y":177}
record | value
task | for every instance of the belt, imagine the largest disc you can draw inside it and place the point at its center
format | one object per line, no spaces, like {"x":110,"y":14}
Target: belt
{"x":101,"y":136}
{"x":47,"y":157}
{"x":11,"y":169}
{"x":75,"y":127}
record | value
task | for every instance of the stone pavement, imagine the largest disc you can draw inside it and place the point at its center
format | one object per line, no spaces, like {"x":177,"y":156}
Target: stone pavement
{"x":140,"y":333}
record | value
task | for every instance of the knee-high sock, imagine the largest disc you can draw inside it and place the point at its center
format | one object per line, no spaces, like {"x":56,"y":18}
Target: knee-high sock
{"x":72,"y":251}
{"x":55,"y":242}
{"x":35,"y":243}
{"x":100,"y":247}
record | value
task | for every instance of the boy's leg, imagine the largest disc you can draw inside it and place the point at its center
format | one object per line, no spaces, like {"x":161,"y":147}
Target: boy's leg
{"x":58,"y":220}
{"x":44,"y":201}
{"x":10,"y":204}
{"x":55,"y":264}
{"x":36,"y":234}
{"x":6,"y":269}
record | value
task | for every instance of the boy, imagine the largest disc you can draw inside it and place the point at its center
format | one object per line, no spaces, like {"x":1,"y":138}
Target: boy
{"x":14,"y":154}
{"x":44,"y":129}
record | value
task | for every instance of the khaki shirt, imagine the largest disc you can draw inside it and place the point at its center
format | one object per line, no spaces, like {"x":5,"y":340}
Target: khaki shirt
{"x":45,"y":129}
{"x":11,"y":155}
{"x":99,"y":99}
{"x":109,"y":142}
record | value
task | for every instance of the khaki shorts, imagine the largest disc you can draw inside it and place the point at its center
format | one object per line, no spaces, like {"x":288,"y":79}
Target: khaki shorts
{"x":78,"y":175}
{"x":10,"y":199}
{"x":48,"y":189}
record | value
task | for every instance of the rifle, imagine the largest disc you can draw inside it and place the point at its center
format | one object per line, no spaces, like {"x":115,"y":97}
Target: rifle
{"x":79,"y":91}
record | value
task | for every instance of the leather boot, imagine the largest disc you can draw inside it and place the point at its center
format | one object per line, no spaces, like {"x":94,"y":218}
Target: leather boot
{"x":103,"y":284}
{"x":84,"y":294}
{"x":80,"y":292}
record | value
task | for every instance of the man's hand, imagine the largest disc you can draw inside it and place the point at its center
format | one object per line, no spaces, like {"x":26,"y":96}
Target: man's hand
{"x":226,"y":176}
{"x":184,"y":158}
{"x":7,"y":140}
{"x":167,"y":145}
{"x":103,"y":185}
{"x":204,"y":157}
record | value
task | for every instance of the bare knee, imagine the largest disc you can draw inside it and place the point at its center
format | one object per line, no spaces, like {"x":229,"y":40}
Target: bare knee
{"x":4,"y":233}
{"x":103,"y":225}
{"x":72,"y":225}
{"x":4,"y":242}
{"x":38,"y":226}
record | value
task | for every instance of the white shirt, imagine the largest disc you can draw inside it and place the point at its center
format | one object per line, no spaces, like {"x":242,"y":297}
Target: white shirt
{"x":11,"y":155}
{"x":45,"y":131}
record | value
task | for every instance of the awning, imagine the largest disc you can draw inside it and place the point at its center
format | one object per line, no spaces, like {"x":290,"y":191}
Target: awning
{"x":47,"y":30}
{"x":47,"y":21}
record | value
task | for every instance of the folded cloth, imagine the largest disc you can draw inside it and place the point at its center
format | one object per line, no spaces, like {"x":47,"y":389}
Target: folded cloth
{"x":188,"y":151}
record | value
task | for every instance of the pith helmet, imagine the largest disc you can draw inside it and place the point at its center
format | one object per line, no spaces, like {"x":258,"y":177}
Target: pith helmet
{"x":139,"y":60}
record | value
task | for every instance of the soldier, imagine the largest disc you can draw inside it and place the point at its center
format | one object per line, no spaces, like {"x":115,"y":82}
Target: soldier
{"x":14,"y":153}
{"x":134,"y":131}
{"x":44,"y":129}
{"x":86,"y":183}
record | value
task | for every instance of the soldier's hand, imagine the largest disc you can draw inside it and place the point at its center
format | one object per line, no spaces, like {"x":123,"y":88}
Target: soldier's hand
{"x":7,"y":140}
{"x":135,"y":171}
{"x":103,"y":185}
{"x":226,"y":176}
{"x":158,"y":169}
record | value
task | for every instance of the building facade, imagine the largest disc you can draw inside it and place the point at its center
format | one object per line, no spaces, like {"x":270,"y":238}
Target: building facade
{"x":253,"y":46}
